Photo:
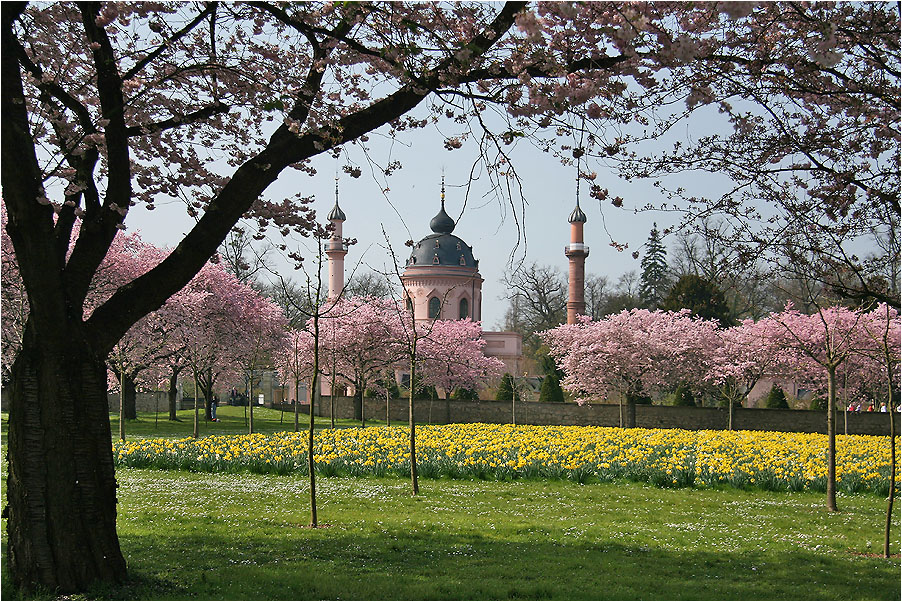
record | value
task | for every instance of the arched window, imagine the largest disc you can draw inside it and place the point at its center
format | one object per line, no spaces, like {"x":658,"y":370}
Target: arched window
{"x":435,"y":259}
{"x":409,"y":305}
{"x":434,"y":307}
{"x":463,"y":260}
{"x":464,"y":308}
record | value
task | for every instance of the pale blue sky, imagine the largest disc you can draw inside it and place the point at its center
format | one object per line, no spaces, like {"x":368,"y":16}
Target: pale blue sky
{"x":486,"y":223}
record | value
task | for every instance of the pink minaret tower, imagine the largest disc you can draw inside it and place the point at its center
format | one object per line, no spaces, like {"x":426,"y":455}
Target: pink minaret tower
{"x":336,"y":249}
{"x":576,"y":252}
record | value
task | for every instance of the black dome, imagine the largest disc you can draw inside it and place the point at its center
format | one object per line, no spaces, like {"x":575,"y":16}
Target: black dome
{"x":442,"y":249}
{"x":577,"y":215}
{"x":336,"y":213}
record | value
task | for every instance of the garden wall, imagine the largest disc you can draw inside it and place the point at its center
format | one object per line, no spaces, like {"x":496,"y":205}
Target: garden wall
{"x":442,"y":411}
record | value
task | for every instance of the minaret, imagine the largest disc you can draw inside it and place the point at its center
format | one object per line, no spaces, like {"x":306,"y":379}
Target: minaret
{"x":336,"y":249}
{"x":576,"y":252}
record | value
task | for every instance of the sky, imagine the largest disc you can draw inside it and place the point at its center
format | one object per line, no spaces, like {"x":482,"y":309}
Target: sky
{"x":406,"y":201}
{"x":486,"y":223}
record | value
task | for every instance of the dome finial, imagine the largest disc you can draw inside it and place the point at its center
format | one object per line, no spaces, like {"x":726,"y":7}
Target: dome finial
{"x":336,"y":213}
{"x":442,"y":223}
{"x":577,"y":215}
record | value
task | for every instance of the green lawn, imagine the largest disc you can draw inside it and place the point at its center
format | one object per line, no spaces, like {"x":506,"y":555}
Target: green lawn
{"x":233,"y":537}
{"x":241,"y":536}
{"x":231,"y":422}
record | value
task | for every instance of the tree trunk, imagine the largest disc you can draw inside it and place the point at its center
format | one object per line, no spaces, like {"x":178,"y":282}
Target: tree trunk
{"x":414,"y":482}
{"x":892,"y":467}
{"x":332,"y":398}
{"x":130,"y":407}
{"x":311,"y":466}
{"x":196,"y":421}
{"x":297,"y":403}
{"x":358,"y":405}
{"x":831,"y":438}
{"x":250,"y":407}
{"x":207,"y":387}
{"x":174,"y":393}
{"x":730,"y":402}
{"x":61,"y":485}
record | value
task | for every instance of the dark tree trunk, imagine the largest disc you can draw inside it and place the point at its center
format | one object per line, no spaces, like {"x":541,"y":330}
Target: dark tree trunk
{"x":174,"y":393}
{"x":311,"y":464}
{"x":358,"y":404}
{"x":61,"y":485}
{"x":831,"y":438}
{"x":130,"y":399}
{"x":887,"y":532}
{"x":414,"y":476}
{"x":207,"y":385}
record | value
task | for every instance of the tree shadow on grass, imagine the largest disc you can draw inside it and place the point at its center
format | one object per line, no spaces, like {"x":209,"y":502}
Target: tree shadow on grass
{"x":303,"y":564}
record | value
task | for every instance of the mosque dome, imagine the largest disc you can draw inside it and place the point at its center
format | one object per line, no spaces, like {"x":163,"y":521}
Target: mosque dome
{"x":441,"y":248}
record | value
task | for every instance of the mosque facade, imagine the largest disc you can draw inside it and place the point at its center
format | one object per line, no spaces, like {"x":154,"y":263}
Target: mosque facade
{"x":441,"y":280}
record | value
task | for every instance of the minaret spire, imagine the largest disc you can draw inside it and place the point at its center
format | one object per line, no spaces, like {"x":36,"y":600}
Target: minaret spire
{"x":336,"y":249}
{"x":576,"y":252}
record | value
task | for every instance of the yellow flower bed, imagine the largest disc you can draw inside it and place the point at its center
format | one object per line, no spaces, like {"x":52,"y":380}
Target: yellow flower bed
{"x":665,"y":457}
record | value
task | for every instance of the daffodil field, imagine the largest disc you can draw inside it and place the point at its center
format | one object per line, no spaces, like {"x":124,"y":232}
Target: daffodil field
{"x":663,"y":457}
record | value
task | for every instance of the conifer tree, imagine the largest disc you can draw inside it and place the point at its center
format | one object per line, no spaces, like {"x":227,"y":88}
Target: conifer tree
{"x":506,"y":389}
{"x":551,"y":389}
{"x":776,"y":399}
{"x":653,"y":282}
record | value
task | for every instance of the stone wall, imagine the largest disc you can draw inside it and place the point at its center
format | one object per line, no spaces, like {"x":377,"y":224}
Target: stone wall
{"x":442,"y":411}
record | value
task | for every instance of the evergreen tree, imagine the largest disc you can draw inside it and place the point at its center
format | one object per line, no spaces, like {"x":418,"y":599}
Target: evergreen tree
{"x":776,"y":399}
{"x":551,"y":389}
{"x":701,"y":297}
{"x":506,"y":389}
{"x":683,"y":396}
{"x":465,"y":394}
{"x":653,"y":281}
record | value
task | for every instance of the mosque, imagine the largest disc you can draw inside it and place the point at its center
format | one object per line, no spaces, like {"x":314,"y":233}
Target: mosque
{"x":442,"y":281}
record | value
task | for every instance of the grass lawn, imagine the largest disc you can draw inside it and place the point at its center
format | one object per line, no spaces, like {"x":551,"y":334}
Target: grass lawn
{"x":243,"y":536}
{"x":232,"y":537}
{"x":231,"y":422}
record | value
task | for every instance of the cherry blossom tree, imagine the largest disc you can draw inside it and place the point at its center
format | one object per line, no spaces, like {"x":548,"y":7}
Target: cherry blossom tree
{"x":883,"y":338}
{"x":263,"y":329}
{"x":295,"y":361}
{"x":820,"y":342}
{"x":632,"y":354}
{"x":813,"y":143}
{"x":14,"y":298}
{"x":109,"y":106}
{"x":451,"y":356}
{"x":745,"y":353}
{"x":362,"y":334}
